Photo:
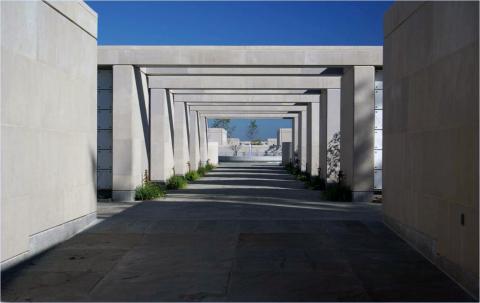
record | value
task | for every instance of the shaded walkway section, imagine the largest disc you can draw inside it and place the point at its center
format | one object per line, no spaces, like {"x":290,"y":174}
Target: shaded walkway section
{"x":245,"y":232}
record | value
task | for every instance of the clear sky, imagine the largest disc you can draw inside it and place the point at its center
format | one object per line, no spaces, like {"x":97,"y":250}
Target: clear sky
{"x":241,"y":23}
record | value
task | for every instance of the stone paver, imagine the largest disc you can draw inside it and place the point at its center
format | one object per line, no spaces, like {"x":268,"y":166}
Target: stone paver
{"x":246,"y":232}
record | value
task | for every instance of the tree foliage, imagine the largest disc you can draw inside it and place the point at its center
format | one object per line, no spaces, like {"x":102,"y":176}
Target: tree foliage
{"x":225,"y":124}
{"x":252,"y":130}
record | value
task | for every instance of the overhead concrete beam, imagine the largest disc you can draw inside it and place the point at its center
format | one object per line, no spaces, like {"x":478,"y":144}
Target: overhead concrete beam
{"x":253,"y":108}
{"x":225,"y":104}
{"x":244,"y":82}
{"x":162,"y":71}
{"x":239,"y":91}
{"x":210,"y":98}
{"x":248,"y":115}
{"x":252,"y":56}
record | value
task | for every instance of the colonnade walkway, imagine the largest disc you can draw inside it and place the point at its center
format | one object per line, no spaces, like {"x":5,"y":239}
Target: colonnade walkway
{"x":245,"y":232}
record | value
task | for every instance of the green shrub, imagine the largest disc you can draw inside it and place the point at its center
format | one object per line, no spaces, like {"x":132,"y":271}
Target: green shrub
{"x":303,"y":177}
{"x":149,"y":191}
{"x":337,"y":192}
{"x":293,"y":169}
{"x":202,"y":171}
{"x":176,"y":182}
{"x":209,"y":167}
{"x":316,"y":182}
{"x":192,"y":176}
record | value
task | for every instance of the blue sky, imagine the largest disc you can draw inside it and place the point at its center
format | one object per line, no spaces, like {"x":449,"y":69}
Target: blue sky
{"x":241,"y":23}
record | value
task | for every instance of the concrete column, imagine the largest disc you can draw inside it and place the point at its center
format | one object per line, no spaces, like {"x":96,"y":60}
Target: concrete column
{"x":202,"y":128}
{"x":161,"y":161}
{"x":130,"y":132}
{"x":357,"y":130}
{"x":302,"y":140}
{"x":295,"y":139}
{"x":180,"y":132}
{"x":286,"y":153}
{"x":329,"y":126}
{"x":194,"y":143}
{"x":313,"y":125}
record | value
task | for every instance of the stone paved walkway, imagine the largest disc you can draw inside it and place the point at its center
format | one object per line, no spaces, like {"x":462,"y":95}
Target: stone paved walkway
{"x":247,"y":232}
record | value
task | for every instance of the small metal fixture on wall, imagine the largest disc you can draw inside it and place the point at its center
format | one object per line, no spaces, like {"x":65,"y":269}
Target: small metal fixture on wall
{"x":341,"y":176}
{"x":146,"y":177}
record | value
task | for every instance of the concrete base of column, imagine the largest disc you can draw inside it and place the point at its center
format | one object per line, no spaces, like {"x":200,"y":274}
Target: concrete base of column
{"x":362,"y":196}
{"x":123,"y":195}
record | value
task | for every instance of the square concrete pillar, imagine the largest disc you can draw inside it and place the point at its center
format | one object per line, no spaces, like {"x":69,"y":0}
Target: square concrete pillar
{"x":313,"y":125}
{"x":286,"y":153}
{"x":329,"y":126}
{"x":181,"y":151}
{"x":213,"y":153}
{"x":295,"y":138}
{"x":202,"y":129}
{"x":302,"y":140}
{"x":130,"y":133}
{"x":194,"y":143}
{"x":357,"y":130}
{"x":161,"y":145}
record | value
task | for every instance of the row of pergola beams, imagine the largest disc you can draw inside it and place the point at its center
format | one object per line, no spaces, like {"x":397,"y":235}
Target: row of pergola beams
{"x":307,"y":84}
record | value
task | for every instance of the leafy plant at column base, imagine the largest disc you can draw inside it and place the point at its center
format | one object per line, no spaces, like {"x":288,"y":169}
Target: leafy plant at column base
{"x":316,"y":182}
{"x":337,"y":192}
{"x":292,"y":169}
{"x":176,"y":182}
{"x":252,"y":130}
{"x":192,"y":176}
{"x":149,"y":191}
{"x":209,"y":167}
{"x":202,"y":171}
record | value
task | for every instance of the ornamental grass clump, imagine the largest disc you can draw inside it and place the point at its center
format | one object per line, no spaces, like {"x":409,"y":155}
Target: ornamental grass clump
{"x":209,"y":167}
{"x":192,"y":176}
{"x":337,"y":192}
{"x":316,"y":182}
{"x":176,"y":182}
{"x":149,"y":191}
{"x":201,"y":171}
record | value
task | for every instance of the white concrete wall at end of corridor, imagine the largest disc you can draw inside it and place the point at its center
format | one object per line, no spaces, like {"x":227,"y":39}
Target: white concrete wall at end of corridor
{"x":48,"y":124}
{"x":213,"y":153}
{"x":284,"y":135}
{"x":218,"y":135}
{"x":430,"y":141}
{"x":272,"y":141}
{"x":233,"y":141}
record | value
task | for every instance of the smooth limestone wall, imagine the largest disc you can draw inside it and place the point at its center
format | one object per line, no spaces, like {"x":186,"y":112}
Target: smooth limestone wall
{"x":431,"y":110}
{"x":48,"y":124}
{"x":218,"y":135}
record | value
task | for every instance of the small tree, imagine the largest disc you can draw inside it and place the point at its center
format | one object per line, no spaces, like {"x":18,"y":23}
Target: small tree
{"x":252,"y":130}
{"x":235,"y":149}
{"x":225,"y":124}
